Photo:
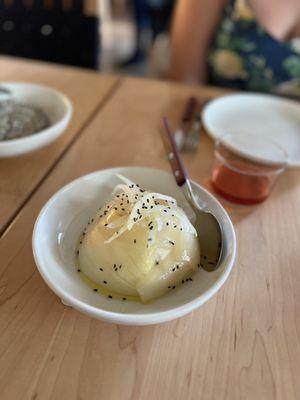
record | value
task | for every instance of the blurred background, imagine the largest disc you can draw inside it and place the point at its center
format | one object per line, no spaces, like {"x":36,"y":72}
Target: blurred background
{"x":124,"y":36}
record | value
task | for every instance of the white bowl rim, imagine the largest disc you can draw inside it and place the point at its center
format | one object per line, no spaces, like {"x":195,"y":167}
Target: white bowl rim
{"x":66,"y":116}
{"x":130,"y":318}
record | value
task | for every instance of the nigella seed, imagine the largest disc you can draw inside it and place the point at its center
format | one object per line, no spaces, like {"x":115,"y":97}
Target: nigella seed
{"x":134,"y":241}
{"x":83,"y":233}
{"x":172,"y":243}
{"x":127,"y":201}
{"x":198,"y":265}
{"x":105,"y":283}
{"x":120,"y":266}
{"x":123,"y":209}
{"x":80,"y":242}
{"x":165,"y":210}
{"x":182,"y":281}
{"x":173,"y":269}
{"x":149,"y":240}
{"x":121,"y":204}
{"x":187,"y":280}
{"x":175,"y":226}
{"x":78,"y":270}
{"x":177,"y":266}
{"x":157,"y":262}
{"x":151,"y":227}
{"x":95,"y":290}
{"x":115,"y":265}
{"x":167,"y":223}
{"x":173,"y":287}
{"x":181,"y":229}
{"x":77,"y":252}
{"x":205,"y":257}
{"x":115,"y":208}
{"x":124,"y":298}
{"x":151,"y":207}
{"x":110,"y":297}
{"x":105,"y":224}
{"x":191,"y":279}
{"x":148,"y":200}
{"x":92,"y":220}
{"x":101,"y":269}
{"x":169,"y":287}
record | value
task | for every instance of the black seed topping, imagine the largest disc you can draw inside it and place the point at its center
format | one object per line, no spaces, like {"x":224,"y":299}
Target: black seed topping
{"x":121,"y":204}
{"x":124,"y":298}
{"x":95,"y":290}
{"x":92,"y":220}
{"x":175,"y":226}
{"x":149,"y":240}
{"x":79,"y":270}
{"x":167,"y":223}
{"x":123,"y":209}
{"x":115,"y":208}
{"x":101,"y":269}
{"x":151,"y":227}
{"x":120,"y":266}
{"x":83,"y":233}
{"x":105,"y":283}
{"x":115,"y":265}
{"x":110,"y":297}
{"x":173,"y":269}
{"x":181,"y":229}
{"x":172,"y":243}
{"x":80,"y":242}
{"x":134,"y":240}
{"x":173,"y":287}
{"x":165,"y":210}
{"x":77,"y":252}
{"x":157,"y":262}
{"x":198,"y":265}
{"x":177,"y":266}
{"x":187,"y":280}
{"x":169,"y":287}
{"x":127,"y":201}
{"x":190,"y":279}
{"x":205,"y":257}
{"x":151,"y":207}
{"x":182,"y":281}
{"x":105,"y":224}
{"x":201,"y":265}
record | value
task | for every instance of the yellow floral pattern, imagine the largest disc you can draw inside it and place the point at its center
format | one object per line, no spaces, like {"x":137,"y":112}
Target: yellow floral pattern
{"x":244,"y":56}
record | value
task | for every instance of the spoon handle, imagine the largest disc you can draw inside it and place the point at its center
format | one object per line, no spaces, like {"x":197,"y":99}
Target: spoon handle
{"x":173,"y":155}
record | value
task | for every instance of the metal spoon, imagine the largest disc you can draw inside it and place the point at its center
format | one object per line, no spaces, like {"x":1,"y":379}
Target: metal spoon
{"x":207,"y":226}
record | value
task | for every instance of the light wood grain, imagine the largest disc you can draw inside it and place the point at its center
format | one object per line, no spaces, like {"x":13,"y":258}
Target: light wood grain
{"x":19,"y":176}
{"x":243,"y":344}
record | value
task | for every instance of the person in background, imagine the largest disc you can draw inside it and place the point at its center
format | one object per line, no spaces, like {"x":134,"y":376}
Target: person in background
{"x":249,"y":45}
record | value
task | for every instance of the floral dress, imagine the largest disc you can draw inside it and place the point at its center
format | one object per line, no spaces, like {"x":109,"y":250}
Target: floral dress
{"x":244,"y":56}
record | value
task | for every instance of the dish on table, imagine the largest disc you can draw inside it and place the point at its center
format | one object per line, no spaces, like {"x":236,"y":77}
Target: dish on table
{"x":58,"y":231}
{"x":261,"y":115}
{"x":31,"y":116}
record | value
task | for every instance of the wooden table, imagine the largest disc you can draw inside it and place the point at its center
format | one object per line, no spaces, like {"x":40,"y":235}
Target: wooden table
{"x":243,"y":344}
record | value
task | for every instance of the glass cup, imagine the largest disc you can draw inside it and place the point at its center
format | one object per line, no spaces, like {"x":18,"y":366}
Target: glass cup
{"x":246,"y":167}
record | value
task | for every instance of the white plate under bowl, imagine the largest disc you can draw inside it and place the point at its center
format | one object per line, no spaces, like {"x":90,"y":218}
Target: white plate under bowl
{"x":63,"y":218}
{"x":262,"y":115}
{"x":55,"y":104}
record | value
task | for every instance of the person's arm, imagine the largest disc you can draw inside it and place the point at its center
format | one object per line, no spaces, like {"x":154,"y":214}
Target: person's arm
{"x":193,"y":27}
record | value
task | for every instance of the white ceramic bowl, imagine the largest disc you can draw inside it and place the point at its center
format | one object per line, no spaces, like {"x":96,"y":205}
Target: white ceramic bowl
{"x":55,"y":104}
{"x":63,"y":218}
